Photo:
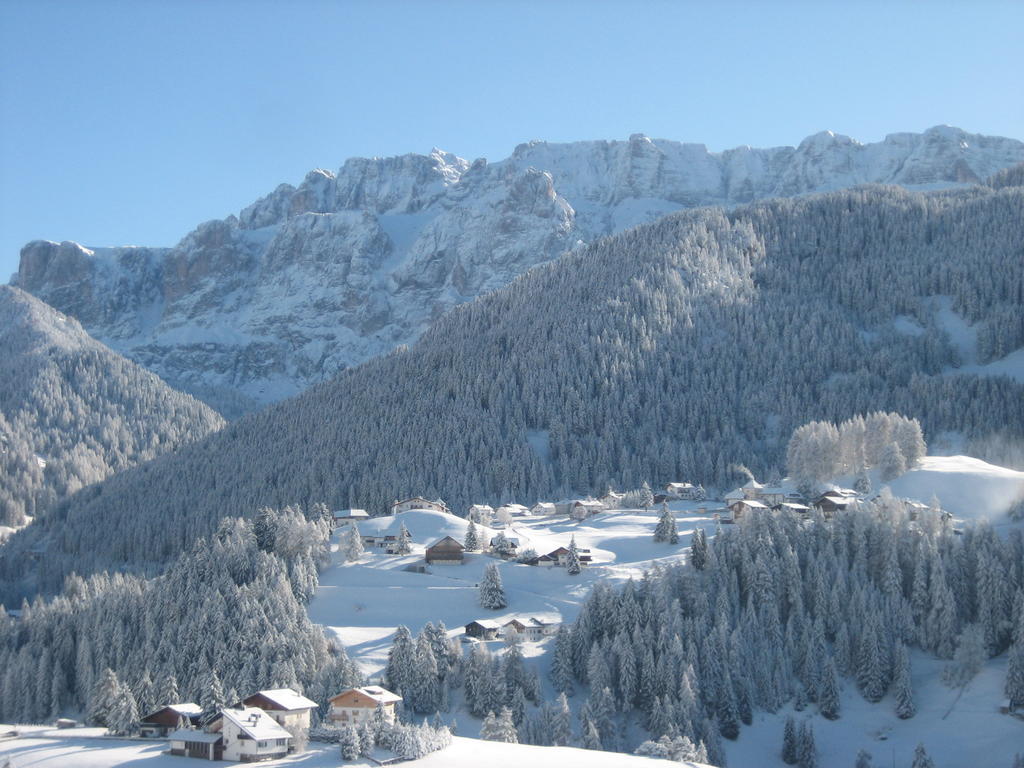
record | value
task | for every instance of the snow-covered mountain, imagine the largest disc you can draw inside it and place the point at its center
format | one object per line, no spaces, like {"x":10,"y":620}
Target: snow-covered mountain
{"x":310,"y":280}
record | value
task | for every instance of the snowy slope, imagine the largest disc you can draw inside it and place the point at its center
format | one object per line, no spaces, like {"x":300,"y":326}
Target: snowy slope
{"x":312,"y":279}
{"x":969,"y":488}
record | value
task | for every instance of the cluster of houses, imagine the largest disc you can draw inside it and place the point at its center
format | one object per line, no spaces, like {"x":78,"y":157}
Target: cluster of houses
{"x":261,"y":727}
{"x":529,"y":628}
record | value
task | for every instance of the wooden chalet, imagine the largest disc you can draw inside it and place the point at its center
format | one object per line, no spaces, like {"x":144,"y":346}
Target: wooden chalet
{"x":483,"y":629}
{"x":446,"y":551}
{"x":682,"y":491}
{"x":357,"y":705}
{"x":349,"y":515}
{"x":745,"y":506}
{"x":479,"y":512}
{"x":830,"y":503}
{"x":791,"y":506}
{"x":530,"y":628}
{"x":559,"y":558}
{"x":288,"y":708}
{"x":418,"y":502}
{"x":543,"y":508}
{"x":170,"y":718}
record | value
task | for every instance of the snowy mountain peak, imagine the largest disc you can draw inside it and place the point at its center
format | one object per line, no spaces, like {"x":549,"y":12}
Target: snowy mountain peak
{"x":311,"y":279}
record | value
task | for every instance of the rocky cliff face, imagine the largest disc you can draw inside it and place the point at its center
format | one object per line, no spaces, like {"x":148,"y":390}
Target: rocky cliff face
{"x":309,"y":280}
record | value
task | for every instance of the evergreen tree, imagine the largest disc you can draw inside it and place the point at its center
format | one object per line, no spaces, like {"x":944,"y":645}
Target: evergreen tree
{"x":492,"y":593}
{"x":104,"y":699}
{"x":123,"y":718}
{"x":212,"y":699}
{"x":807,"y":753}
{"x":790,"y":753}
{"x":403,"y":546}
{"x":903,"y":689}
{"x":561,"y":722}
{"x":969,"y":657}
{"x":646,"y":496}
{"x":472,"y":542}
{"x":572,"y":560}
{"x":828,"y":691}
{"x":561,"y":664}
{"x":349,"y":742}
{"x":699,"y":550}
{"x":1014,"y":686}
{"x":591,"y":737}
{"x":921,"y":758}
{"x":400,"y":671}
{"x":167,"y":691}
{"x":892,"y":463}
{"x":353,"y":544}
{"x":665,"y":523}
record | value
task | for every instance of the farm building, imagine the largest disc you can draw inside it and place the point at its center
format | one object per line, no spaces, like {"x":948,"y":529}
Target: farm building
{"x":559,"y":558}
{"x":582,"y":509}
{"x":418,"y":502}
{"x":480,"y":513}
{"x":684,"y":491}
{"x":543,"y":508}
{"x":347,"y":515}
{"x":170,"y":718}
{"x":530,"y":628}
{"x":745,"y":506}
{"x":357,"y":705}
{"x":484,"y":629}
{"x":251,"y":735}
{"x":446,"y":551}
{"x":287,"y":707}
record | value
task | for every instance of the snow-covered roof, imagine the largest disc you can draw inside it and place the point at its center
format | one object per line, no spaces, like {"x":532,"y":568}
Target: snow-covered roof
{"x":544,"y":505}
{"x":752,"y":484}
{"x":349,"y":513}
{"x":188,"y":709}
{"x":288,"y":699}
{"x":487,"y":623}
{"x":190,"y":734}
{"x":753,"y":503}
{"x":735,"y":493}
{"x":679,"y":486}
{"x":793,"y":505}
{"x":255,"y":723}
{"x":373,"y":692}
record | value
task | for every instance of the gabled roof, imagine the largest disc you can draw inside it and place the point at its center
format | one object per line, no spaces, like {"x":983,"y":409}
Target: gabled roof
{"x":372,"y":692}
{"x":735,"y":493}
{"x":444,"y":539}
{"x":486,"y":623}
{"x":186,"y":710}
{"x":287,"y":699}
{"x":255,"y":723}
{"x":751,"y":503}
{"x":343,"y":513}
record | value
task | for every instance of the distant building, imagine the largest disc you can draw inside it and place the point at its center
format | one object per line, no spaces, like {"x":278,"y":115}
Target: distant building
{"x":830,"y":503}
{"x":483,"y":629}
{"x":736,"y":494}
{"x":683,"y":491}
{"x":504,"y":546}
{"x":288,"y":708}
{"x":514,"y":510}
{"x":544,"y":508}
{"x":791,"y":506}
{"x":582,"y":509}
{"x":446,"y":551}
{"x":479,"y":512}
{"x":745,"y":506}
{"x":170,"y":718}
{"x":251,"y":735}
{"x":531,"y":628}
{"x":357,"y":705}
{"x":559,"y":558}
{"x":349,"y":515}
{"x":418,"y":502}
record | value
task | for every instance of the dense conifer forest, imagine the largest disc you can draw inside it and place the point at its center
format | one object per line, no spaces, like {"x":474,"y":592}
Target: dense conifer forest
{"x":671,"y":351}
{"x":73,"y":412}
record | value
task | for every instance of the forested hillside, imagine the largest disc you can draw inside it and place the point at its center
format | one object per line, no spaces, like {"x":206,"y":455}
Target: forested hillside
{"x":667,"y":352}
{"x":72,"y":412}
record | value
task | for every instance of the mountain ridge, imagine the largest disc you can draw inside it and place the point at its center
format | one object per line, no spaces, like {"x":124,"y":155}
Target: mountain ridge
{"x":309,"y":280}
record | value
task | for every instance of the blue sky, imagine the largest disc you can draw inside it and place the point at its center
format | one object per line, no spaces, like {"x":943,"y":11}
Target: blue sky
{"x":131,"y":122}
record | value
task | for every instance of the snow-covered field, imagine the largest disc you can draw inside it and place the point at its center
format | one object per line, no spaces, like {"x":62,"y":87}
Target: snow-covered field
{"x":85,"y":748}
{"x":362,"y":603}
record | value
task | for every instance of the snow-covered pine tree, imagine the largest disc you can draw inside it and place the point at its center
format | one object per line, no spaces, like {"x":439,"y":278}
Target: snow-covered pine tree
{"x":646,"y":495}
{"x":123,"y":719}
{"x":807,"y":751}
{"x":561,"y":722}
{"x":403,"y":546}
{"x":472,"y":542}
{"x":353,"y":544}
{"x":492,"y":593}
{"x":661,"y":530}
{"x":828,"y":691}
{"x":401,"y":667}
{"x":921,"y":758}
{"x":572,"y":560}
{"x":561,"y":663}
{"x":591,"y":737}
{"x":969,"y":657}
{"x":699,"y":549}
{"x":212,"y":698}
{"x":789,"y":742}
{"x":903,"y":687}
{"x":104,"y":698}
{"x":349,"y":743}
{"x":1014,"y":686}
